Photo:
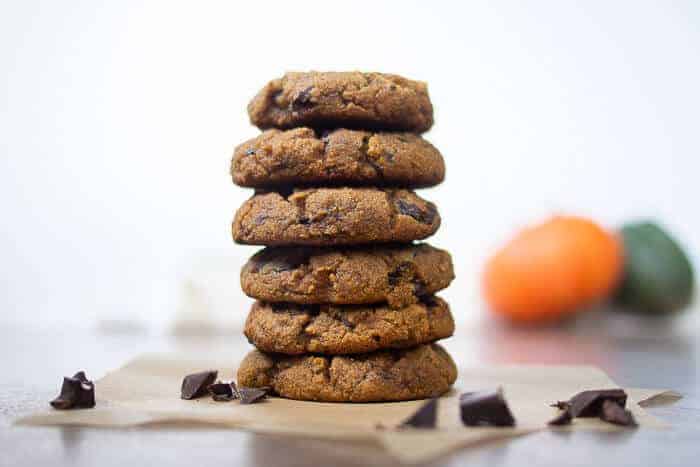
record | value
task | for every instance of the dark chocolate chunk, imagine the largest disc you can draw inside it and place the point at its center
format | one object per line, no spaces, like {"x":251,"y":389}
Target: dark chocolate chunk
{"x":424,"y":417}
{"x":295,"y":309}
{"x":401,"y":270}
{"x":346,"y":322}
{"x":223,"y":392}
{"x":424,"y":217}
{"x":485,"y":408}
{"x":608,"y":404}
{"x":303,"y":100}
{"x":260,"y":219}
{"x":563,"y":418}
{"x":429,"y":300}
{"x":252,"y":395}
{"x":419,"y":287}
{"x":289,"y":260}
{"x":590,"y":403}
{"x":612,"y":412}
{"x":77,"y":392}
{"x":195,"y":385}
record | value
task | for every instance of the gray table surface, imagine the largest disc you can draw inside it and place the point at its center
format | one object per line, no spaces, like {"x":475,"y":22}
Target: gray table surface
{"x":635,"y":352}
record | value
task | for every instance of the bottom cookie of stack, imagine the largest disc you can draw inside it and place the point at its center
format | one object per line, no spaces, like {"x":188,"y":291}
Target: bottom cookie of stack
{"x":386,"y":375}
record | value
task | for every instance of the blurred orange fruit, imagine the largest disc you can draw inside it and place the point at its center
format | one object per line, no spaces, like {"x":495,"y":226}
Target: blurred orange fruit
{"x":552,"y":270}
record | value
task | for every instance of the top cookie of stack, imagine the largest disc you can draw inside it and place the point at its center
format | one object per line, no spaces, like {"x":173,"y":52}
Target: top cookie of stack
{"x":334,"y":171}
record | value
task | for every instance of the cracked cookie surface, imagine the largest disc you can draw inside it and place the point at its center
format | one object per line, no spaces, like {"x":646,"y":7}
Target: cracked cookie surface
{"x":397,"y":274}
{"x":393,"y":375}
{"x":334,"y":216}
{"x":343,"y":99}
{"x":338,"y":157}
{"x":332,"y":330}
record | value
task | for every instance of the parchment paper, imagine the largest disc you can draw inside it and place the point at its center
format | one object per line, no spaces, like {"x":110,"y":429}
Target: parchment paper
{"x":147,"y":391}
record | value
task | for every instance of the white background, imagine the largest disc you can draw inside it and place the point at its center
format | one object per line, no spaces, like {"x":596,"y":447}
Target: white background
{"x":117,"y":123}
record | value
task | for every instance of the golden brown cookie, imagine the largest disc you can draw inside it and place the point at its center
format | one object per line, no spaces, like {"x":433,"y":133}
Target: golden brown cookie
{"x":339,"y":157}
{"x":335,"y":216}
{"x":393,"y":273}
{"x":343,"y":99}
{"x":386,"y":375}
{"x":349,"y":329}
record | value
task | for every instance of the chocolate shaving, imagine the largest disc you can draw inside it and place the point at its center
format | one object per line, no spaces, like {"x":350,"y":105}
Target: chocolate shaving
{"x":252,"y":395}
{"x":223,"y":392}
{"x":595,"y":403}
{"x":77,"y":392}
{"x":612,"y":412}
{"x":590,"y":403}
{"x":485,"y":408}
{"x":195,"y":385}
{"x":424,"y":417}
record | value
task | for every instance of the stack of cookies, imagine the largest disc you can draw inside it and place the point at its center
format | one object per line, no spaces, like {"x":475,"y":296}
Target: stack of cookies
{"x":345,"y":308}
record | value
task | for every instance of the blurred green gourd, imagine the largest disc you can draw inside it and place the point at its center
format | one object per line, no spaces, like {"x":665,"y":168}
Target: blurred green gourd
{"x":658,"y":277}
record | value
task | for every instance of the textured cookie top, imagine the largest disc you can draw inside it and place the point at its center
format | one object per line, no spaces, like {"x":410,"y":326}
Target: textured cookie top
{"x":339,"y":157}
{"x":394,"y":375}
{"x":335,"y":216}
{"x":332,"y":329}
{"x":343,"y":99}
{"x":397,"y":274}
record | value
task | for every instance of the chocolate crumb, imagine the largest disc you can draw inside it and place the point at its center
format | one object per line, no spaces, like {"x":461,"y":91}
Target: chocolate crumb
{"x":195,"y":385}
{"x":562,"y":405}
{"x":77,"y":392}
{"x":612,"y":412}
{"x":485,"y":408}
{"x":424,"y":417}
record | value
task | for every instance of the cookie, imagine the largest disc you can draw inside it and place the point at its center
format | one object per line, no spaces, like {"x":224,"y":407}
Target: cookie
{"x":334,"y":216}
{"x":343,"y":99}
{"x":397,"y":274}
{"x":339,"y":157}
{"x":349,"y":329}
{"x":387,"y":375}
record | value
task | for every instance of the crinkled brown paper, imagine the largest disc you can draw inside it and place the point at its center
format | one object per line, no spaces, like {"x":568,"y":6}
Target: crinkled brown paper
{"x":147,"y":391}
